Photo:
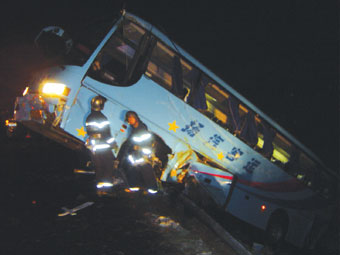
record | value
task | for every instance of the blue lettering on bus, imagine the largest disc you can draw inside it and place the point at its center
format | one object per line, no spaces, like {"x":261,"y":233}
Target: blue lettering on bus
{"x":234,"y":154}
{"x":215,"y":140}
{"x":193,"y":128}
{"x":251,"y":165}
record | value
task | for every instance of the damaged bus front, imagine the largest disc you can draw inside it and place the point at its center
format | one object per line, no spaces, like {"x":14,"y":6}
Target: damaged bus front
{"x":45,"y":103}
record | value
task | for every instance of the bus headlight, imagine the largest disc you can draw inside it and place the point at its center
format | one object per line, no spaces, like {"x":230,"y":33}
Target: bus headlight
{"x":55,"y":89}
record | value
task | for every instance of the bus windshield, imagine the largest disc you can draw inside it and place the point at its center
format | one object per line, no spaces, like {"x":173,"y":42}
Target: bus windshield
{"x":86,"y":40}
{"x":72,"y":45}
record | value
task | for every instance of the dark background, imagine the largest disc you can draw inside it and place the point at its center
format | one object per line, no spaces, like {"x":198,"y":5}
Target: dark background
{"x":281,"y":55}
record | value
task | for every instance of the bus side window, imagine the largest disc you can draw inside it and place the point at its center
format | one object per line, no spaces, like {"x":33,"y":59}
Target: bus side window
{"x":307,"y":172}
{"x":248,"y":131}
{"x":265,"y":139}
{"x":170,"y":71}
{"x":293,"y":164}
{"x":191,"y":83}
{"x":282,"y":149}
{"x":314,"y":176}
{"x":235,"y":121}
{"x":197,"y":98}
{"x":177,"y":78}
{"x":216,"y":100}
{"x":160,"y":66}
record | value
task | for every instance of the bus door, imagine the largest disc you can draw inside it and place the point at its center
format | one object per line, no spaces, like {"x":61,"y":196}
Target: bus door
{"x":115,"y":69}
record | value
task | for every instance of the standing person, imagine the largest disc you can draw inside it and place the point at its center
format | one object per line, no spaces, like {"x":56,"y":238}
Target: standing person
{"x":101,"y":143}
{"x":134,"y":153}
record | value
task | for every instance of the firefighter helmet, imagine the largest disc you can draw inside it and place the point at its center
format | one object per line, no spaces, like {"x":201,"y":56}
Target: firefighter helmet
{"x":97,"y":103}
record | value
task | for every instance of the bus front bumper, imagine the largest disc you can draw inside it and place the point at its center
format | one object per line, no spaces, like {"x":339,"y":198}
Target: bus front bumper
{"x":31,"y":107}
{"x":43,"y":116}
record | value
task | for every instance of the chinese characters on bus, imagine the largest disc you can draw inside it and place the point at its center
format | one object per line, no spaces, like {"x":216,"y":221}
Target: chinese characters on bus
{"x":193,"y":128}
{"x":215,"y":140}
{"x":234,"y":154}
{"x":251,"y":165}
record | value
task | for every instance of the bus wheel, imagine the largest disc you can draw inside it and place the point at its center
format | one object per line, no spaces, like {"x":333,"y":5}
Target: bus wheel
{"x":276,"y":229}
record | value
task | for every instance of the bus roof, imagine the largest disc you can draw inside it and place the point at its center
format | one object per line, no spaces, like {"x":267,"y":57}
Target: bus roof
{"x":186,"y":55}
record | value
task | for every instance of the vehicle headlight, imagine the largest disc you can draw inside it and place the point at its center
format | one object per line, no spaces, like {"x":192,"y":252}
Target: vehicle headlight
{"x":55,"y":89}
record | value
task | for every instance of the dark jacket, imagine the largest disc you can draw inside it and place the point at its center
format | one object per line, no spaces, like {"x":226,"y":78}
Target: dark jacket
{"x":98,"y":128}
{"x":128,"y":146}
{"x":155,"y":142}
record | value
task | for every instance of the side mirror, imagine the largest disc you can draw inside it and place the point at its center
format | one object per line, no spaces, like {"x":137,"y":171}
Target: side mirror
{"x":54,"y":41}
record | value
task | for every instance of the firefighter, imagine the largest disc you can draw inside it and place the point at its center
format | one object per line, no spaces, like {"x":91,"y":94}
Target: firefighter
{"x":100,"y":143}
{"x":135,"y":155}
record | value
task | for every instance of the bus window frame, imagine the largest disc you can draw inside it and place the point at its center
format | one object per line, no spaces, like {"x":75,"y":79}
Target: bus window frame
{"x":167,"y":70}
{"x":130,"y":71}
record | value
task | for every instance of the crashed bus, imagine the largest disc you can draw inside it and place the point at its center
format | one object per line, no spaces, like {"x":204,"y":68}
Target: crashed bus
{"x":249,"y":165}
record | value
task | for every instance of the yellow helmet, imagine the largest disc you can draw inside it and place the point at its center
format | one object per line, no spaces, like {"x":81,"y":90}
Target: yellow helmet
{"x":97,"y":103}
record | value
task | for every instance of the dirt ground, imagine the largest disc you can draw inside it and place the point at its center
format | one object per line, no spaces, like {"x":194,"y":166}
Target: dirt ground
{"x":37,"y":180}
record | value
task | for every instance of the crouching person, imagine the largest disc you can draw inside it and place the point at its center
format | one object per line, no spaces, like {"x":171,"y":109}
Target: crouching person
{"x":137,"y":155}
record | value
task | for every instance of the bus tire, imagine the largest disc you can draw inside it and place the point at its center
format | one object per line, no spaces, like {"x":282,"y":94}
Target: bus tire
{"x":277,"y":228}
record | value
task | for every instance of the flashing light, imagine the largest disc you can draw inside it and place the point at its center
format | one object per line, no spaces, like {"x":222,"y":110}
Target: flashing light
{"x":263,"y":208}
{"x":25,"y":91}
{"x":54,"y":89}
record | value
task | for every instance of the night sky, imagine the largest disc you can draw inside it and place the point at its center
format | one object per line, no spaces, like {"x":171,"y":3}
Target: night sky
{"x":281,"y":55}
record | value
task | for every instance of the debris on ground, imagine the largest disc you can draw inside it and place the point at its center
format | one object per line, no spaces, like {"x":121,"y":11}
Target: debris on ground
{"x":73,"y":211}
